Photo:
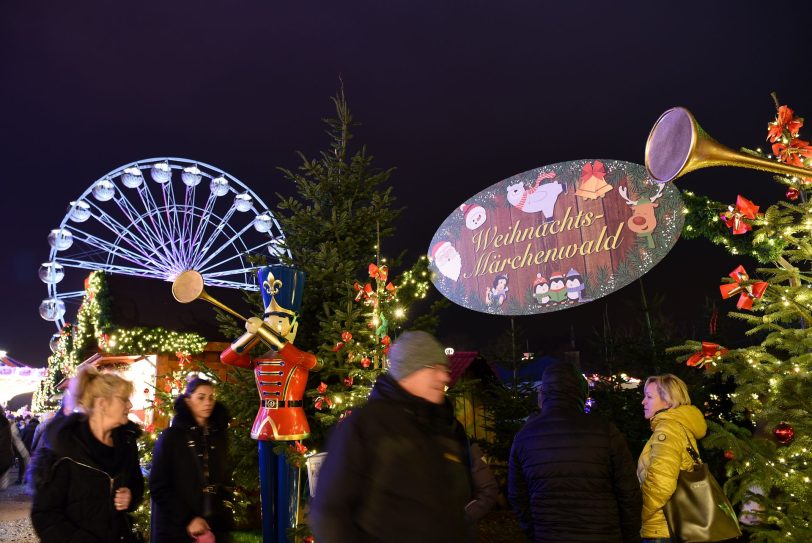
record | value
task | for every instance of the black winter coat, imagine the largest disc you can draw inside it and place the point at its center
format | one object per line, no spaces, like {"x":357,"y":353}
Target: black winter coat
{"x":74,"y":486}
{"x":571,"y":475}
{"x":177,"y":480}
{"x":397,"y":470}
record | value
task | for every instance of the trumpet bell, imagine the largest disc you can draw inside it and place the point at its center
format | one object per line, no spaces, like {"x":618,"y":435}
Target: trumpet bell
{"x":677,"y":145}
{"x":670,"y":143}
{"x":188,"y":286}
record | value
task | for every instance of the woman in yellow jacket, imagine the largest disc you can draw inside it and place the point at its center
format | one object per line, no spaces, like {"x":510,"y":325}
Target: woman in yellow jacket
{"x":674,"y":421}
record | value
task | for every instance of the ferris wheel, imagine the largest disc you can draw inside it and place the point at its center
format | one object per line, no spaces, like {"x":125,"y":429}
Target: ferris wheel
{"x":155,"y":218}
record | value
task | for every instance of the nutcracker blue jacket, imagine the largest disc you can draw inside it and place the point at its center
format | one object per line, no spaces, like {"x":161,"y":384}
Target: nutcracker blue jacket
{"x":571,"y":475}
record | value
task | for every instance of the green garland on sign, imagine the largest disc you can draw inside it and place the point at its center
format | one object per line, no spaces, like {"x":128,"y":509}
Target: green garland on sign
{"x":94,"y":331}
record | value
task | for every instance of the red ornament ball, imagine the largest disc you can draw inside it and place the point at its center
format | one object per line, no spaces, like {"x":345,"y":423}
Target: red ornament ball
{"x":793,"y":193}
{"x":729,"y":455}
{"x":784,"y":433}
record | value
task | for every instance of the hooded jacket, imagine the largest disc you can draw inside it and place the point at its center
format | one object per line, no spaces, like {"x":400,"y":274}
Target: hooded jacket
{"x":397,"y":471}
{"x":662,"y":459}
{"x":571,"y":475}
{"x":74,"y":485}
{"x":177,"y":480}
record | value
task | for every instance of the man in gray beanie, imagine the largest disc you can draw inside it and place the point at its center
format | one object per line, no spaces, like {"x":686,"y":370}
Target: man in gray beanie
{"x":398,"y":469}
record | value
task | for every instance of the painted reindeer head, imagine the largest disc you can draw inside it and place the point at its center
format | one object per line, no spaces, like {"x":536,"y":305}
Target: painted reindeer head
{"x":643,"y":220}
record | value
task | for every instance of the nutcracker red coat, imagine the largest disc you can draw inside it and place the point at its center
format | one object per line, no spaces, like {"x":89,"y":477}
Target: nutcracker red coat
{"x":281,"y":375}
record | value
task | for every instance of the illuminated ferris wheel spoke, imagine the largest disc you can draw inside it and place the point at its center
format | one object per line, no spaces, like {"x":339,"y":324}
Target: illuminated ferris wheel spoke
{"x":133,"y":217}
{"x":231,"y":284}
{"x":135,"y":222}
{"x":114,"y":251}
{"x":202,"y":255}
{"x":118,"y":268}
{"x":153,"y":213}
{"x":130,"y":236}
{"x":250,"y":250}
{"x":172,"y":220}
{"x":200,"y":230}
{"x":223,"y":246}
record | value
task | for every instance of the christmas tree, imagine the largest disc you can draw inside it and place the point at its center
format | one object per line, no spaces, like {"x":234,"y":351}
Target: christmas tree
{"x":766,"y":438}
{"x":341,"y":212}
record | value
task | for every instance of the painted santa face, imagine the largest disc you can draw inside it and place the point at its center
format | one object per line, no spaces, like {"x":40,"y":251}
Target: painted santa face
{"x":448,"y":261}
{"x":475,"y":218}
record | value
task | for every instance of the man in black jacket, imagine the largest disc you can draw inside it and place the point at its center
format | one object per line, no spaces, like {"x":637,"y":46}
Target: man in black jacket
{"x":571,"y":475}
{"x":398,"y":469}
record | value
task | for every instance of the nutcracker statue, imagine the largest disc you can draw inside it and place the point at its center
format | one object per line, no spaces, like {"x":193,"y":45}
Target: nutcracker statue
{"x":281,"y":377}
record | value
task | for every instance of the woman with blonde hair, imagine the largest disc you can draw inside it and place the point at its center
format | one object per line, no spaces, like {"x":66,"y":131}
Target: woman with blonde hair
{"x":86,"y":475}
{"x":675,"y":424}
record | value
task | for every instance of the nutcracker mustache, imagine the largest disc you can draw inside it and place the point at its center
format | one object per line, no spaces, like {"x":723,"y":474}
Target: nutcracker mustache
{"x":188,"y":287}
{"x":677,"y":145}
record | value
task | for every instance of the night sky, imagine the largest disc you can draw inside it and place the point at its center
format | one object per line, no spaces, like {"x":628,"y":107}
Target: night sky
{"x":455,"y":95}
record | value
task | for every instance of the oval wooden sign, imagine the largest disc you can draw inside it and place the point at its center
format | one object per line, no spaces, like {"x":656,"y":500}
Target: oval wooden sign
{"x":555,"y":237}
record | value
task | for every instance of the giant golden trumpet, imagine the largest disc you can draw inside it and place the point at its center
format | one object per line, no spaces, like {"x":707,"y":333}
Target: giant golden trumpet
{"x":188,"y":287}
{"x":678,"y":145}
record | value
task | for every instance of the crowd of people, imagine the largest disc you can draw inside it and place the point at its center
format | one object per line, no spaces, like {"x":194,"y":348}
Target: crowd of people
{"x":401,"y":468}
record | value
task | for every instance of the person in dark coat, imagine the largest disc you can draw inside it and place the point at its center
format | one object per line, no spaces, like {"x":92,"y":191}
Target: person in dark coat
{"x":571,"y":476}
{"x":398,"y":469}
{"x":485,"y":488}
{"x":27,"y":434}
{"x":190,"y":479}
{"x":86,"y":475}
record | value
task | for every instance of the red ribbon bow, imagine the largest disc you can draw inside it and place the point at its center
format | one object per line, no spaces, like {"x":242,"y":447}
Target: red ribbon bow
{"x":747,"y":292}
{"x":734,"y":216}
{"x":346,"y":336}
{"x":595,"y":169}
{"x":299,"y":448}
{"x":322,"y":388}
{"x":377,"y":273}
{"x":709,"y":352}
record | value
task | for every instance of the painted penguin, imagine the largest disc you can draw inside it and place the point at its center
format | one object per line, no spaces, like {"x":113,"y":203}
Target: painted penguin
{"x":574,"y":286}
{"x":558,"y":290}
{"x":541,"y":290}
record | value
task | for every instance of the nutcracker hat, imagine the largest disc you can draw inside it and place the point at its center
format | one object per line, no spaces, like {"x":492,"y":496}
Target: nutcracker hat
{"x":281,"y":288}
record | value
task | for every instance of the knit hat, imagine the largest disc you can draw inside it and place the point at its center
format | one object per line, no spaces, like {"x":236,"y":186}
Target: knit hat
{"x":412,"y":351}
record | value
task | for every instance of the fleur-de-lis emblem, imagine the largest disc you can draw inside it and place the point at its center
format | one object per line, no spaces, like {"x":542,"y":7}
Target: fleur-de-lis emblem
{"x":271,"y":284}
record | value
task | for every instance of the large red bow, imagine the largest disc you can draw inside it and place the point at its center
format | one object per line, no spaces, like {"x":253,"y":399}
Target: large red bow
{"x":709,"y":352}
{"x":590,"y":170}
{"x":747,"y":292}
{"x":378,"y":273}
{"x":734,"y":216}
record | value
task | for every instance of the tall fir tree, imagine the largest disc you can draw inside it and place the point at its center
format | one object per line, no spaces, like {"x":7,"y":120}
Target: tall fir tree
{"x":767,"y":438}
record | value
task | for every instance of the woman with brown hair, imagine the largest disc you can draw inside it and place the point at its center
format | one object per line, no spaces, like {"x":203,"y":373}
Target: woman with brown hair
{"x":190,"y":479}
{"x":87,"y":477}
